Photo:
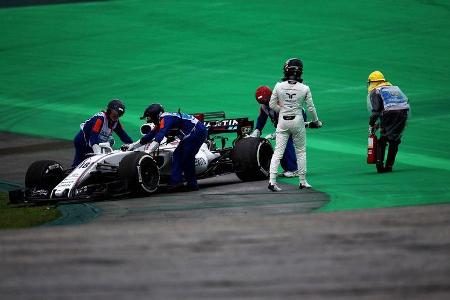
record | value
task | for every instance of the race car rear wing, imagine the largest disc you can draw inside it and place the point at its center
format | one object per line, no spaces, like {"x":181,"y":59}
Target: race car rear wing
{"x":218,"y":124}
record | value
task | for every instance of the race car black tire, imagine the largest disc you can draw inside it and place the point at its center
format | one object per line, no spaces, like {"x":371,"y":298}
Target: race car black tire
{"x":140,"y":172}
{"x":251,"y":158}
{"x":44,"y":174}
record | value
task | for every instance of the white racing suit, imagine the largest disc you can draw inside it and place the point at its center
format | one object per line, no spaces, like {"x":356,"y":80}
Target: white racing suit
{"x":288,"y":98}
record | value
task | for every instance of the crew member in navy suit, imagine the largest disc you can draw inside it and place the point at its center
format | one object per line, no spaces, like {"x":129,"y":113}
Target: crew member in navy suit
{"x":98,"y":129}
{"x":192,"y":134}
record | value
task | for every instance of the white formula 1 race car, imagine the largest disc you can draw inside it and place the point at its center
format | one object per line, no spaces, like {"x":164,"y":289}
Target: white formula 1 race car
{"x":116,"y":173}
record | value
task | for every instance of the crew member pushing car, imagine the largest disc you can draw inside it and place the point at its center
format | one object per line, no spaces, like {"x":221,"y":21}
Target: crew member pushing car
{"x":192,"y":134}
{"x":287,"y":99}
{"x":289,"y":159}
{"x":98,"y":129}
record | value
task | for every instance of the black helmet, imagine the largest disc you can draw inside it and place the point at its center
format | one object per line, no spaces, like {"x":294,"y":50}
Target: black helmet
{"x":153,"y":112}
{"x":293,"y":69}
{"x":116,"y":105}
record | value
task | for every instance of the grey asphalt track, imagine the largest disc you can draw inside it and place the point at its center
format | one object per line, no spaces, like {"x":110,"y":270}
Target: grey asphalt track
{"x":230,"y":240}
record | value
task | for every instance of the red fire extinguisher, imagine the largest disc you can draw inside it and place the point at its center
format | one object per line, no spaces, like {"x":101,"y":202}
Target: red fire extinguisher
{"x":372,"y":149}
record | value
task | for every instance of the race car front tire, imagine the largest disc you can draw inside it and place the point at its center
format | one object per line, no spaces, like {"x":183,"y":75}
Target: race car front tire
{"x":44,"y":174}
{"x":140,"y":172}
{"x":251,"y":158}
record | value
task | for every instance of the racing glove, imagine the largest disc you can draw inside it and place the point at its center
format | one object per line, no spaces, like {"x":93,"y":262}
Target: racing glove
{"x":256,"y":133}
{"x":315,"y":124}
{"x":134,"y":145}
{"x":97,"y":149}
{"x":271,"y":136}
{"x":153,"y":146}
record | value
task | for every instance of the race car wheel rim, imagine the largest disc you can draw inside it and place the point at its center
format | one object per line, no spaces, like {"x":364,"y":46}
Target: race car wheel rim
{"x":264,"y":155}
{"x":148,"y":174}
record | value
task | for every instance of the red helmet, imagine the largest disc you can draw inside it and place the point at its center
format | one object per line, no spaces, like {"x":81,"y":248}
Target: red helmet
{"x":263,"y":94}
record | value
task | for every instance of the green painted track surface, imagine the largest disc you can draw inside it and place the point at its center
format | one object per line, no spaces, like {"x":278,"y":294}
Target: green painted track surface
{"x":60,"y":64}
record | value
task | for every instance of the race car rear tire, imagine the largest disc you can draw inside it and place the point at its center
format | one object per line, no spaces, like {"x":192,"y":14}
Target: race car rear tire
{"x":44,"y":174}
{"x":140,"y":172}
{"x":251,"y":158}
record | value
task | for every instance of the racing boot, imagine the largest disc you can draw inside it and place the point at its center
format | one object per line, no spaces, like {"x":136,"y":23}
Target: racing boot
{"x":274,"y":187}
{"x":304,"y":185}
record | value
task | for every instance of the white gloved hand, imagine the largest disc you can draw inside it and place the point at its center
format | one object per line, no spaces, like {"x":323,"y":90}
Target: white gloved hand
{"x":256,"y":133}
{"x":271,"y":136}
{"x":153,"y":146}
{"x":134,"y":145}
{"x":97,"y":149}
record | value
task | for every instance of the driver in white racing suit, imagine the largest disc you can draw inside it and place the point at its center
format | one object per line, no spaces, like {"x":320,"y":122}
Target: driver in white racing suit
{"x":289,"y":160}
{"x":288,"y":98}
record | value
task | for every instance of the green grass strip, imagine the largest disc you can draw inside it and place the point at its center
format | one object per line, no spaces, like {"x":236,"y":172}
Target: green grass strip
{"x":18,"y":216}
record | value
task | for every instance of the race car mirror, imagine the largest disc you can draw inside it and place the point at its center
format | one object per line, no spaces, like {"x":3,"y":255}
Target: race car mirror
{"x":105,"y":147}
{"x":146,"y":128}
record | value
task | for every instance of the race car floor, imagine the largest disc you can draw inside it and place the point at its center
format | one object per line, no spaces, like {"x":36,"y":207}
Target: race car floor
{"x":230,"y":240}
